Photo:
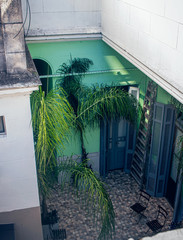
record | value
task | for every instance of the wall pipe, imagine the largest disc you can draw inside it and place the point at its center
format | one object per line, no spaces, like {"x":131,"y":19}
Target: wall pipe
{"x":87,"y":73}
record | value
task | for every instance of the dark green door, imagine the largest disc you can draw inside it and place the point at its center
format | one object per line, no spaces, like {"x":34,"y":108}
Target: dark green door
{"x":116,"y":144}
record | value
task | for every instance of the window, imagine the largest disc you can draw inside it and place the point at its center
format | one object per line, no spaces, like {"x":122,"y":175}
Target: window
{"x":2,"y":125}
{"x":134,"y":91}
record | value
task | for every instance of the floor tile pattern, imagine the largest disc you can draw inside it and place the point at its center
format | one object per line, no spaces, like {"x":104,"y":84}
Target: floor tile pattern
{"x":123,"y":191}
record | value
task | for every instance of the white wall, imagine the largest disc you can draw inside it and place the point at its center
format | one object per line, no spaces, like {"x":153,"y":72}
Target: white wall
{"x":18,"y":180}
{"x":64,"y":16}
{"x":169,"y":235}
{"x":151,"y":32}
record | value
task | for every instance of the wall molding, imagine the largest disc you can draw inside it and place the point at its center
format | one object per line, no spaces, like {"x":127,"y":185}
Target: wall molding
{"x":167,"y":86}
{"x":171,"y":88}
{"x":17,"y":91}
{"x":64,"y":37}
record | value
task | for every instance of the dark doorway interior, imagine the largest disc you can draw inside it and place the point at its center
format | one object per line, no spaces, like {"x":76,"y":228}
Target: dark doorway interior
{"x":44,"y":69}
{"x":171,"y":191}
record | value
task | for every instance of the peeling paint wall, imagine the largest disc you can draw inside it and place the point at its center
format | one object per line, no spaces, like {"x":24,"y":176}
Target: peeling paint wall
{"x":12,"y":47}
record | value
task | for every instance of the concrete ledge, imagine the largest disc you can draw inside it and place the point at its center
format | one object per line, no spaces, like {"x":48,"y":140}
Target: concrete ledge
{"x":64,"y":37}
{"x":170,"y":235}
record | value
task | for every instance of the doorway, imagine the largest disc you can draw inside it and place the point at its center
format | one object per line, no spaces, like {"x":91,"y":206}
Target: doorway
{"x":117,"y":142}
{"x":44,"y":69}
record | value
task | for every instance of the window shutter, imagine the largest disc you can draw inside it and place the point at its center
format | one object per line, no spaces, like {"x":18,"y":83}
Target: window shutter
{"x":166,"y":148}
{"x":160,"y":149}
{"x":155,"y":148}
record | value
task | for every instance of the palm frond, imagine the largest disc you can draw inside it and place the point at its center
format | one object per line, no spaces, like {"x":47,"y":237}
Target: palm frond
{"x":107,"y":102}
{"x":76,"y":65}
{"x":51,"y":120}
{"x":71,"y":82}
{"x":95,"y":195}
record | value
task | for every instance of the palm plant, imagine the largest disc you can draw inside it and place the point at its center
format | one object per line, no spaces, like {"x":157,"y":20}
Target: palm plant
{"x":91,"y":104}
{"x":72,"y":85}
{"x":94,"y":195}
{"x":52,"y":117}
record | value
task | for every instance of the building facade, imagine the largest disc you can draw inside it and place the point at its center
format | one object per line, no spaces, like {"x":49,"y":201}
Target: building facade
{"x":130,"y":43}
{"x":19,"y":202}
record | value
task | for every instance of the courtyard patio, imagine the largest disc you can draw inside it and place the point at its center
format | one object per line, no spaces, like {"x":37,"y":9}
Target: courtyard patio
{"x":123,"y":191}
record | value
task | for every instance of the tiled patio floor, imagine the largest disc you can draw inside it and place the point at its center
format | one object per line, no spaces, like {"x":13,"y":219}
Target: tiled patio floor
{"x":123,"y":191}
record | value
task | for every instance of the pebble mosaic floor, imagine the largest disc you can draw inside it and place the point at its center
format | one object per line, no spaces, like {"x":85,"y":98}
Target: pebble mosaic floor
{"x":123,"y":191}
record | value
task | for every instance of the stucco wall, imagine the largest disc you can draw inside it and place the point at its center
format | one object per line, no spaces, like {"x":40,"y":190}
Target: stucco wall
{"x":64,"y":17}
{"x":151,"y":31}
{"x":18,"y":180}
{"x":104,"y":58}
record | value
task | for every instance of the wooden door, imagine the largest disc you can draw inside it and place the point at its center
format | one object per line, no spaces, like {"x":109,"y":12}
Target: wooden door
{"x":116,"y":143}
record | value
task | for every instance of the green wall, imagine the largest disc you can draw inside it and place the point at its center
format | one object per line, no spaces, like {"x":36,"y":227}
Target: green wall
{"x":104,"y":58}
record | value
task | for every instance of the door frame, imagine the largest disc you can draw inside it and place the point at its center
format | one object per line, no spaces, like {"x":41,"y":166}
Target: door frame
{"x":103,"y":135}
{"x":104,"y":150}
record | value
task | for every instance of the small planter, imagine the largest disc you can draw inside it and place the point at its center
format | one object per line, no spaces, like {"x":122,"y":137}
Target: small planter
{"x":51,"y":218}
